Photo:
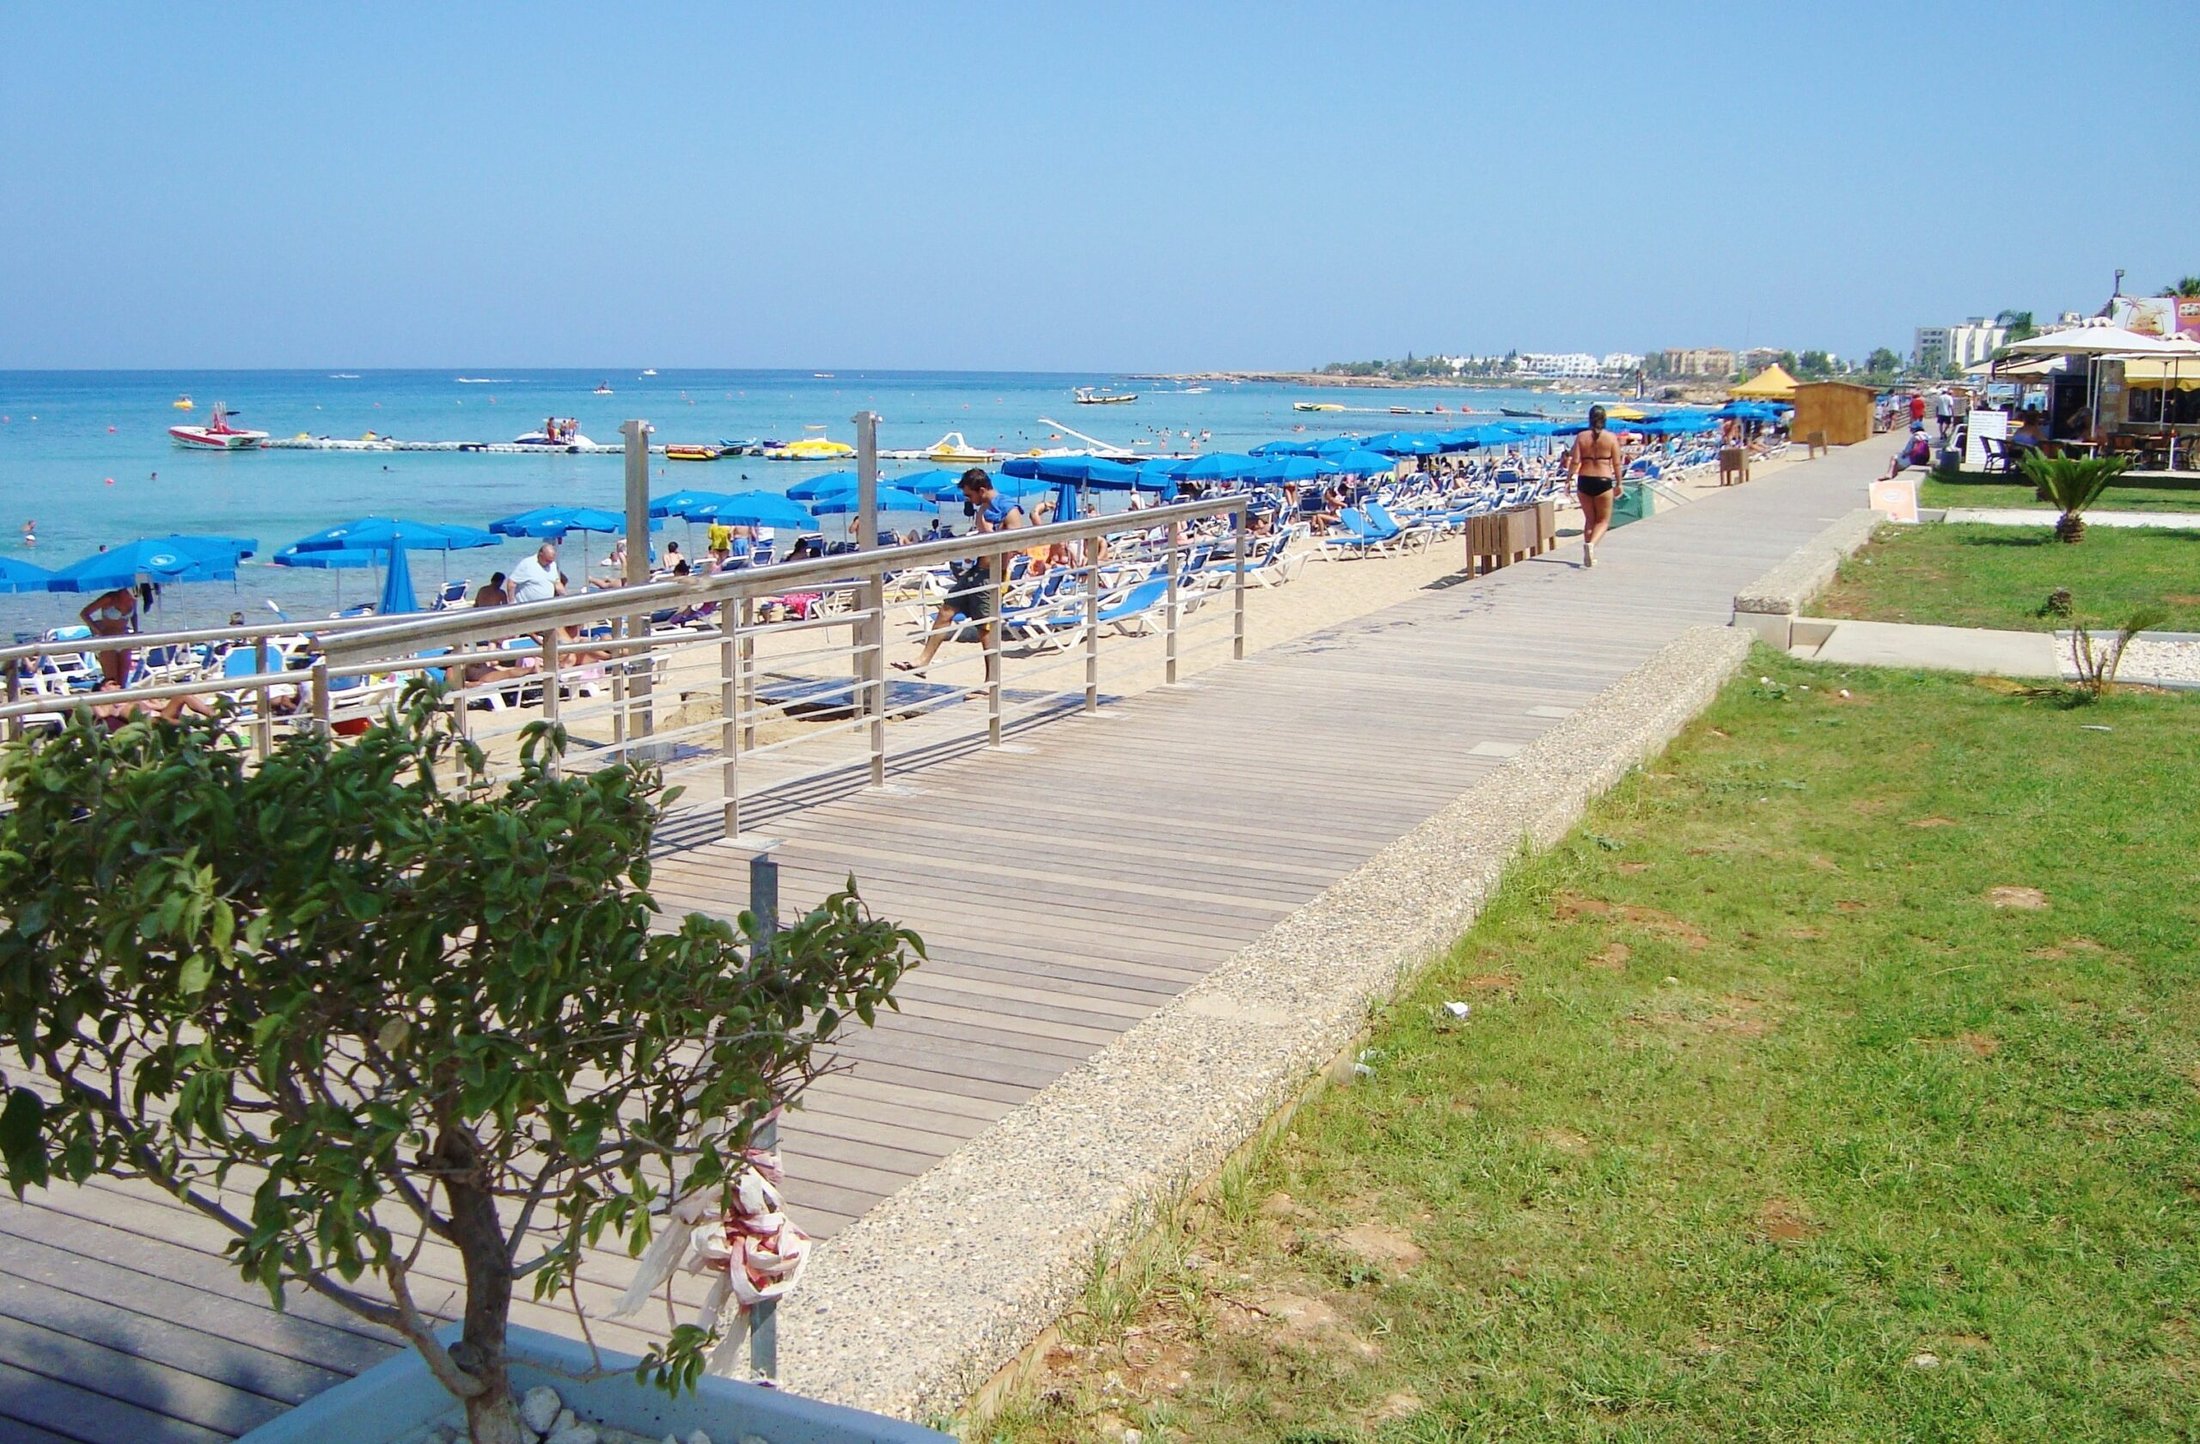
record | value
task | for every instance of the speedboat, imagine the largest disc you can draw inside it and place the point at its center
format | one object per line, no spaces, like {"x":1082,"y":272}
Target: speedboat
{"x":649,"y":370}
{"x":217,"y":435}
{"x":603,"y":388}
{"x":560,"y":432}
{"x":1316,"y":406}
{"x":952,"y":448}
{"x":1101,"y":396}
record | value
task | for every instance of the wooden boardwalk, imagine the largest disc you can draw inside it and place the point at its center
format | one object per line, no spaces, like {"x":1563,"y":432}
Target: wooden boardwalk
{"x":1066,"y":886}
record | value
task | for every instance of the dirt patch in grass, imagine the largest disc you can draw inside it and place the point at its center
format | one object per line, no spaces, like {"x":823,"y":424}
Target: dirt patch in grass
{"x":1613,"y":958}
{"x":1784,"y":1221}
{"x":1926,"y":822}
{"x":2010,"y":895}
{"x":1571,"y":905}
{"x":1391,"y":1250}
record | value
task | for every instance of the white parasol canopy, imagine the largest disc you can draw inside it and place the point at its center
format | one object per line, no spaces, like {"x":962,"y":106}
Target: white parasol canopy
{"x":2093,"y":339}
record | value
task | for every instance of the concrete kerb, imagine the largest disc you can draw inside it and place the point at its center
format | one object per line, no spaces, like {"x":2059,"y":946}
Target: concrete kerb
{"x":915,"y":1307}
{"x":1767,"y":608}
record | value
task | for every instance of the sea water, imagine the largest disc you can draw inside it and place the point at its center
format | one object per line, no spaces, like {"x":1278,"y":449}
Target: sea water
{"x":86,"y":455}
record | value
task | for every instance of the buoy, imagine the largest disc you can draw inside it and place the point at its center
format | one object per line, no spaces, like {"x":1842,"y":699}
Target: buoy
{"x":110,"y":431}
{"x":110,"y":481}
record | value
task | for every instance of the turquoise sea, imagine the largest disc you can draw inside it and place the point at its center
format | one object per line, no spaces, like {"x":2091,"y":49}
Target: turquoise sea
{"x":87,"y":456}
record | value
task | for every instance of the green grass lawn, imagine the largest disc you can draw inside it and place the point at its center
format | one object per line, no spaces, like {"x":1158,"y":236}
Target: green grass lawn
{"x":1838,"y":1079}
{"x":1999,"y":576}
{"x":1971,"y":488}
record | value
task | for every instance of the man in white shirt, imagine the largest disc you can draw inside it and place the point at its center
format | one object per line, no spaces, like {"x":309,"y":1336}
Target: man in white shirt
{"x":535,"y":579}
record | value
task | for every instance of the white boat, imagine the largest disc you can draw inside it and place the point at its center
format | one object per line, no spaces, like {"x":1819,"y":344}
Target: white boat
{"x":649,"y":370}
{"x":217,"y":435}
{"x":952,"y":448}
{"x":603,"y":388}
{"x":1101,"y":396}
{"x":558,"y":433}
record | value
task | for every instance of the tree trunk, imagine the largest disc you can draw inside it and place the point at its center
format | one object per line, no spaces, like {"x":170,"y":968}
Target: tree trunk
{"x":2070,"y":527}
{"x":491,"y":1416}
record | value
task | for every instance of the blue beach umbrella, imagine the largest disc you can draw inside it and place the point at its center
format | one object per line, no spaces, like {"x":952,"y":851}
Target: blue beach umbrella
{"x":939,"y":478}
{"x":1219,"y":466}
{"x":335,"y":559}
{"x":756,"y":508}
{"x":681,"y":503}
{"x":1018,"y":489}
{"x":1068,"y":502}
{"x":18,"y":576}
{"x":1364,"y":463}
{"x":1404,"y":443}
{"x":810,"y":488}
{"x":1331,"y":445}
{"x":1159,"y":475}
{"x":553,"y":522}
{"x":1083,"y":470}
{"x":155,"y":559}
{"x":890,"y":498}
{"x":397,"y":586}
{"x":1275,"y":469}
{"x":379,"y":533}
{"x":1298,"y":446}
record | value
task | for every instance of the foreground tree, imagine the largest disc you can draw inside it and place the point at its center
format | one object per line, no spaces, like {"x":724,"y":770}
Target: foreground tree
{"x":2071,"y":484}
{"x":351,"y":999}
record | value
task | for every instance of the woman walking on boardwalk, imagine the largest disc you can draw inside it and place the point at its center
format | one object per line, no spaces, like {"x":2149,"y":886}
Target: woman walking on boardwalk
{"x":1595,"y":464}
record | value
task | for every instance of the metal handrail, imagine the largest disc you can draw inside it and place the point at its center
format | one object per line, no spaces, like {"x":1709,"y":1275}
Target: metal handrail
{"x":847,"y":568}
{"x":634,"y":658}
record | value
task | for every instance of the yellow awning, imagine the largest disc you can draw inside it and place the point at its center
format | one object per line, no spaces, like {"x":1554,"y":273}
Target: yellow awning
{"x":1771,"y":384}
{"x":2180,"y":372}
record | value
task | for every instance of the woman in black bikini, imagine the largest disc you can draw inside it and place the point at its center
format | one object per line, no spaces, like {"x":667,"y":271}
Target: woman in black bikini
{"x":1595,"y":464}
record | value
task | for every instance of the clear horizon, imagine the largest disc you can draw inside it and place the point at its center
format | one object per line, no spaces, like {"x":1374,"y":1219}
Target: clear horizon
{"x":1144,"y":189}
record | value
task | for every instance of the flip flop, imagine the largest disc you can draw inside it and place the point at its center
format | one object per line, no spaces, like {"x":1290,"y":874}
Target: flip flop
{"x":910,"y":667}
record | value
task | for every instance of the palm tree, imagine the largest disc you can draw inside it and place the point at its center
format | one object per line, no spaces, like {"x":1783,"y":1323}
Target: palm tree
{"x":2071,"y":484}
{"x":2186,"y":287}
{"x":2018,"y":324}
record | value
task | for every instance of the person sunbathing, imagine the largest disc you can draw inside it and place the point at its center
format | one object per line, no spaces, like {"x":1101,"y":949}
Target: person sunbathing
{"x":114,"y":715}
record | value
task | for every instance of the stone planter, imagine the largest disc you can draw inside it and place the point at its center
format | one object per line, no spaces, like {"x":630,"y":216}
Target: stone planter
{"x":398,"y":1401}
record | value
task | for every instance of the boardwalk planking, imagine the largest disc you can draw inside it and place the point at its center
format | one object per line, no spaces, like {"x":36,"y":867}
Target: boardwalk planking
{"x":1065,"y":886}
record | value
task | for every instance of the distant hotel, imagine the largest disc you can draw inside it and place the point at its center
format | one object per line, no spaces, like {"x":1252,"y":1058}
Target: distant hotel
{"x":1707,"y":361}
{"x":1936,"y":348}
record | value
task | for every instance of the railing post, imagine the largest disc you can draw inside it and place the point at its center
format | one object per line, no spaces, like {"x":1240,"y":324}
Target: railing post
{"x":997,"y":580}
{"x":764,"y":1318}
{"x":15,"y":695}
{"x":323,"y":704}
{"x":618,"y":687}
{"x":729,"y":718}
{"x":1237,"y":586}
{"x":263,"y":725}
{"x":745,"y":696}
{"x":1092,"y":625}
{"x":1170,"y":612}
{"x":551,"y":673}
{"x":870,"y":637}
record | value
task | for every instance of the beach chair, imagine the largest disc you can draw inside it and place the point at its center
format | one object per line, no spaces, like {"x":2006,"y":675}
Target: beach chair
{"x":1403,"y":534}
{"x":1354,"y":536}
{"x":453,"y":594}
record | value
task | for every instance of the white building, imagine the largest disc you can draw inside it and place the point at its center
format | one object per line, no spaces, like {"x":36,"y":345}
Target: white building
{"x":1620,"y":363}
{"x":1929,"y":351}
{"x":1570,"y":365}
{"x":1974,"y":341}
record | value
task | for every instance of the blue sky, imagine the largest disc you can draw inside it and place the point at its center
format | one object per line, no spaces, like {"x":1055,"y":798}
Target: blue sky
{"x":1052,"y":186}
